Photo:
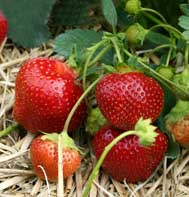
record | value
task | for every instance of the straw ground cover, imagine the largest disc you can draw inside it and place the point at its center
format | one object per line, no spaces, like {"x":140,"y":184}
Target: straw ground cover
{"x":17,"y":177}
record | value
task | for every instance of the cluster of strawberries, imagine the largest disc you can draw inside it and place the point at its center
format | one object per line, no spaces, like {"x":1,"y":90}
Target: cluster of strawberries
{"x":46,"y":91}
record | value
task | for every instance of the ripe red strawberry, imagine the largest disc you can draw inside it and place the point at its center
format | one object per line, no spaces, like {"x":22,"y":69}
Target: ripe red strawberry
{"x":46,"y":90}
{"x":124,"y":98}
{"x":128,"y":159}
{"x":3,"y":27}
{"x":44,"y":154}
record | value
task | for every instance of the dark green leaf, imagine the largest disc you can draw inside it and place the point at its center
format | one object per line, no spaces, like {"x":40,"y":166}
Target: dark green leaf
{"x":184,"y":22}
{"x":157,"y":38}
{"x":71,"y":12}
{"x":185,"y":8}
{"x":80,"y":39}
{"x":27,"y":20}
{"x":109,"y":12}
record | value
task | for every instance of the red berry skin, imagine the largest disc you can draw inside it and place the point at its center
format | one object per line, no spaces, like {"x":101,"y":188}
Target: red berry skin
{"x":3,"y":27}
{"x":124,"y":98}
{"x":46,"y":91}
{"x":128,"y":159}
{"x":44,"y":153}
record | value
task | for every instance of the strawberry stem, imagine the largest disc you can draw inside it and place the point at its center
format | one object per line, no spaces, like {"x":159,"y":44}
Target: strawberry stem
{"x":66,"y":125}
{"x":167,"y":27}
{"x":9,"y":129}
{"x":91,"y":52}
{"x":102,"y":157}
{"x":117,"y":49}
{"x":154,"y":12}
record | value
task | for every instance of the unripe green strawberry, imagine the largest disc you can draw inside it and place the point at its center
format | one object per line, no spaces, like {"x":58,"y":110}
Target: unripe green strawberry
{"x":133,"y":7}
{"x":182,"y":79}
{"x":95,"y":120}
{"x":135,"y":34}
{"x":165,"y":71}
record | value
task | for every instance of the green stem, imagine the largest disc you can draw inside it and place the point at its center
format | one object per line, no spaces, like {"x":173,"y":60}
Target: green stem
{"x":155,"y":49}
{"x":166,"y":27}
{"x":117,"y":50}
{"x":9,"y":129}
{"x":168,"y":56}
{"x":152,"y":18}
{"x":154,"y":12}
{"x":100,"y":55}
{"x":102,"y":157}
{"x":91,"y":50}
{"x":66,"y":125}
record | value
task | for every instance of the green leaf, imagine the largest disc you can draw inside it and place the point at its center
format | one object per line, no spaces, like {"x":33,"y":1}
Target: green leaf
{"x":71,"y":12}
{"x":80,"y":39}
{"x":186,"y":35}
{"x":184,"y":22}
{"x":157,"y":38}
{"x":185,"y":8}
{"x":109,"y":12}
{"x":27,"y":21}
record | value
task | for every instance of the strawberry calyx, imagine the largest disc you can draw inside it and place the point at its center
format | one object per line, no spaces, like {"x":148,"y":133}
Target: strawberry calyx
{"x":66,"y":140}
{"x":146,"y":132}
{"x":178,"y":112}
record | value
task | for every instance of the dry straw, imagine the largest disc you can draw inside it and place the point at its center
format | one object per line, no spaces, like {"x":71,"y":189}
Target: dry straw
{"x":17,"y":178}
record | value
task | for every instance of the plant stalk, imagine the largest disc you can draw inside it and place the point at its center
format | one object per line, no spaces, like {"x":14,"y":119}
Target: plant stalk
{"x":9,"y":129}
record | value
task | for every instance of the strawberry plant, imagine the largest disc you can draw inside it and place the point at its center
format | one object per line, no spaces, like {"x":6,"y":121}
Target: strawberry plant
{"x":116,"y":87}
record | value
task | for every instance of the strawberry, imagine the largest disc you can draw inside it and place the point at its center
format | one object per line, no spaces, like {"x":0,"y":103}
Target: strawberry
{"x":124,"y":98}
{"x":128,"y":159}
{"x":44,"y":155}
{"x":3,"y":27}
{"x":177,"y":122}
{"x":46,"y":91}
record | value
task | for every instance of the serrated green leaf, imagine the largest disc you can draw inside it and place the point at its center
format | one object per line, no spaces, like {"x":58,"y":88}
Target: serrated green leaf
{"x":185,"y":8}
{"x":71,"y":12}
{"x":184,"y":22}
{"x":186,"y":35}
{"x":81,"y":39}
{"x":27,"y":21}
{"x":157,"y":38}
{"x":109,"y":12}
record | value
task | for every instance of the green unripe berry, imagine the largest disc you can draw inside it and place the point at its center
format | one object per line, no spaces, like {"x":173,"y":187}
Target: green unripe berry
{"x":133,"y":7}
{"x":165,"y":71}
{"x":135,"y":34}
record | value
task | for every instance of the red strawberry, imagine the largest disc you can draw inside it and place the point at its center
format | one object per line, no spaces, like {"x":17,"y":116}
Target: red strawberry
{"x":44,"y":154}
{"x":128,"y":159}
{"x":3,"y":27}
{"x":46,"y":90}
{"x":124,"y":98}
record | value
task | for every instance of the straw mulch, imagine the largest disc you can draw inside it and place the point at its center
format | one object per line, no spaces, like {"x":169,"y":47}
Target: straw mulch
{"x":18,"y":179}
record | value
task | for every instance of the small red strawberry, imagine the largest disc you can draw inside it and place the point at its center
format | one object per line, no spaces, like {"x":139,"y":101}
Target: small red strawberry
{"x":124,"y":98}
{"x":44,"y":156}
{"x":3,"y":27}
{"x":128,"y":159}
{"x":46,"y":91}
